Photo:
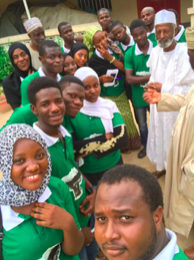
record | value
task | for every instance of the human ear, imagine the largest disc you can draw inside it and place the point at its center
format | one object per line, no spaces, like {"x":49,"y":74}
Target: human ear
{"x":158,"y":216}
{"x":33,"y":109}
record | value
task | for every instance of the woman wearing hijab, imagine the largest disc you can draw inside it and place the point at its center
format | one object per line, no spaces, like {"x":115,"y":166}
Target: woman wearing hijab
{"x":79,"y":52}
{"x":107,"y":64}
{"x":70,"y":66}
{"x":21,"y":60}
{"x":99,"y":127}
{"x":37,"y":212}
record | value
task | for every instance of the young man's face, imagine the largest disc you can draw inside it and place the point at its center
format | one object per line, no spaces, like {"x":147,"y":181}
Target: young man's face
{"x":73,"y":96}
{"x":50,"y":107}
{"x":147,"y":16}
{"x":66,"y":32}
{"x":52,"y":59}
{"x":139,"y":35}
{"x":104,"y":20}
{"x":125,"y":228}
{"x":119,"y":33}
{"x":37,"y":36}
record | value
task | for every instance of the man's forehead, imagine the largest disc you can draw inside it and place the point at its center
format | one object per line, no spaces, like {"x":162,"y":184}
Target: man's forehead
{"x":38,"y":30}
{"x":55,"y":50}
{"x":103,"y":13}
{"x":66,"y":27}
{"x":163,"y":25}
{"x":74,"y":87}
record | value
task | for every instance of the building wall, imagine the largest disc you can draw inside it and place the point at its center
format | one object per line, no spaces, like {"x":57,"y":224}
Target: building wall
{"x":124,"y":10}
{"x":185,"y":18}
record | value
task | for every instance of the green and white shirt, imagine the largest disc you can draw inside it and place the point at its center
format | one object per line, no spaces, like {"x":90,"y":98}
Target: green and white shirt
{"x":65,"y":168}
{"x":124,"y":48}
{"x":85,"y":127}
{"x":27,"y":81}
{"x":152,"y":36}
{"x":25,"y":240}
{"x":21,"y":115}
{"x":171,"y":250}
{"x":136,"y":60}
{"x":180,"y":37}
{"x":64,"y":49}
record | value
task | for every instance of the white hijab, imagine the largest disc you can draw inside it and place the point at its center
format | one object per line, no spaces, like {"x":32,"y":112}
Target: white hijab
{"x":102,"y":108}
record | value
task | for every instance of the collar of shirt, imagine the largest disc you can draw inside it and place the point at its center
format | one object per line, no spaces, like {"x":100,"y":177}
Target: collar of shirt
{"x":65,"y":49}
{"x":130,"y":44}
{"x":178,"y":36}
{"x":153,"y":31}
{"x":99,"y":55}
{"x":138,"y":52}
{"x":170,"y":249}
{"x":50,"y":141}
{"x":21,"y":79}
{"x":41,"y":73}
{"x":11,"y":219}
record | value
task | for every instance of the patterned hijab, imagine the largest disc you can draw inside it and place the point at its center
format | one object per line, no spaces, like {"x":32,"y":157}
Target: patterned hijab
{"x":88,"y":38}
{"x":10,"y":193}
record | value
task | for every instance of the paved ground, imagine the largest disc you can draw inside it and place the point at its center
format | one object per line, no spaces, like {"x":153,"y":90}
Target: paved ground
{"x":145,"y":163}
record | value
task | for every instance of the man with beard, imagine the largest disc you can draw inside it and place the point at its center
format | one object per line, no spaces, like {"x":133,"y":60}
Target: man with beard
{"x":179,"y":186}
{"x":171,"y":72}
{"x":36,"y":33}
{"x":148,"y":17}
{"x":129,"y":223}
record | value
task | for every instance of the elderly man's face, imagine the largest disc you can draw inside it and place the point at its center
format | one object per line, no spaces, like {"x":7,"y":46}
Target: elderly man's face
{"x":165,"y":34}
{"x":125,"y":227}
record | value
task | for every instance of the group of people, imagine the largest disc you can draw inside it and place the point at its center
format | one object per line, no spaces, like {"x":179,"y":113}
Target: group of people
{"x":64,"y":191}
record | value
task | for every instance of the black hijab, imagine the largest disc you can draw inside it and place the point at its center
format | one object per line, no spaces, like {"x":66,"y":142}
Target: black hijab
{"x":76,"y":47}
{"x":11,"y":85}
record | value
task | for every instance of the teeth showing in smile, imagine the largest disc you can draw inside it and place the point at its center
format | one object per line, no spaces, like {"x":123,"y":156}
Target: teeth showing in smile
{"x":32,"y":177}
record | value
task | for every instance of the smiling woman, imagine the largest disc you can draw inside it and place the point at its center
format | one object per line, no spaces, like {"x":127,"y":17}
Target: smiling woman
{"x":32,"y":202}
{"x":79,"y":52}
{"x":21,"y":60}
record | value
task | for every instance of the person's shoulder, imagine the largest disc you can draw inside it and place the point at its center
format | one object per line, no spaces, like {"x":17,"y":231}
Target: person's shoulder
{"x":31,"y":77}
{"x":56,"y":185}
{"x":9,"y":77}
{"x":181,"y":47}
{"x":180,"y":256}
{"x":130,"y":50}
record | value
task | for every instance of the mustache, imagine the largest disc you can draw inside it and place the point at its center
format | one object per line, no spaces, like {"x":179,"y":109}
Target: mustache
{"x":113,"y":246}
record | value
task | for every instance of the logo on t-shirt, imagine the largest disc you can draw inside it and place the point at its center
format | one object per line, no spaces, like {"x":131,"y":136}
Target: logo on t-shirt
{"x":74,"y":180}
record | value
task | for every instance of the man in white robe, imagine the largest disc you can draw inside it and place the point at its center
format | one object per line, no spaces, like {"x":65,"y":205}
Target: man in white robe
{"x":179,"y":183}
{"x":171,"y":73}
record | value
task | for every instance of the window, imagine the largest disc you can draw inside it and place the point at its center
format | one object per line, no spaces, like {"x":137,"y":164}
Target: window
{"x":95,"y":5}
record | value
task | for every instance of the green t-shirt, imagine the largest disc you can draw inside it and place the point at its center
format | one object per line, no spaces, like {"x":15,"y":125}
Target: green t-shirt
{"x":24,"y":87}
{"x":180,"y":256}
{"x":22,"y":115}
{"x":115,"y":90}
{"x":125,"y":48}
{"x":28,"y":241}
{"x":137,"y":61}
{"x":85,"y":127}
{"x":65,"y":168}
{"x":152,"y":37}
{"x":182,"y":38}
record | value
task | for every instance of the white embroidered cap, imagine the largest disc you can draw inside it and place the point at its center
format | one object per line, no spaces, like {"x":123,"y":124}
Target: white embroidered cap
{"x":32,"y":24}
{"x":165,"y":16}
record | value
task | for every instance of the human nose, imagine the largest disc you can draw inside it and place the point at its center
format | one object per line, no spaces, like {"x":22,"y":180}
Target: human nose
{"x":78,"y":102}
{"x":32,"y":166}
{"x":54,"y":108}
{"x":110,"y":232}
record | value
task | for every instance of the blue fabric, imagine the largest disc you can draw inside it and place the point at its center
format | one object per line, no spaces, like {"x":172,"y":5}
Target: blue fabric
{"x":141,"y":118}
{"x":89,"y":252}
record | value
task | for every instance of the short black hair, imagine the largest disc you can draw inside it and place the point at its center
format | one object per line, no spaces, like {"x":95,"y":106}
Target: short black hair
{"x":38,"y":84}
{"x":174,"y":11}
{"x":137,"y":23}
{"x":103,"y":10}
{"x":62,"y":24}
{"x":115,"y":23}
{"x":67,"y":80}
{"x":152,"y":192}
{"x":44,"y":44}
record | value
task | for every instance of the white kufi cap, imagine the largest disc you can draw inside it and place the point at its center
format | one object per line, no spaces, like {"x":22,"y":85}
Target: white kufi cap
{"x":165,"y":16}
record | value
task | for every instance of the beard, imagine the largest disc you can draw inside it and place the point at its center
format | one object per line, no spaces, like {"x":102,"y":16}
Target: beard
{"x":150,"y":245}
{"x":166,"y":44}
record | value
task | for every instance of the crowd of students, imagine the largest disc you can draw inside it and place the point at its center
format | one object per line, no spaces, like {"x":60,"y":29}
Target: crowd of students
{"x":60,"y":151}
